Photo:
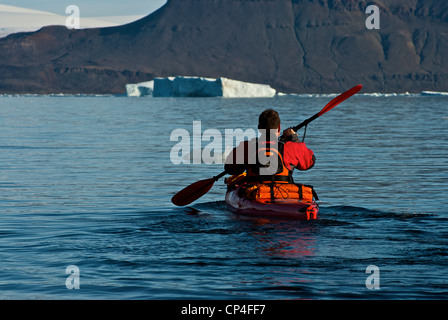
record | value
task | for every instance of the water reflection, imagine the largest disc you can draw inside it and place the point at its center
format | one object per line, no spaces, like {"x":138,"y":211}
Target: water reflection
{"x":287,"y":239}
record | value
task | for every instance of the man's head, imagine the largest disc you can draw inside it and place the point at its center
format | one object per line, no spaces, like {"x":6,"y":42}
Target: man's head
{"x":268,"y":120}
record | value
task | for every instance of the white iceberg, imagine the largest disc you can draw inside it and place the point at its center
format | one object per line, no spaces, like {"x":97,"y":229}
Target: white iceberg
{"x":140,"y":89}
{"x":434,"y":93}
{"x":240,"y":89}
{"x":200,"y":87}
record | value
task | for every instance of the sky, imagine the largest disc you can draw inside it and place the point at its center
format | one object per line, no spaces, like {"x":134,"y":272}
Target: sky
{"x":91,"y":8}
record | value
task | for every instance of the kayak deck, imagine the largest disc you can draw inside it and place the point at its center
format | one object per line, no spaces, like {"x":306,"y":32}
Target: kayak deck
{"x":264,"y":207}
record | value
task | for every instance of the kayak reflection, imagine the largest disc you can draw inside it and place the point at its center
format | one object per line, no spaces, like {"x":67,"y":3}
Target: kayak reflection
{"x":284,"y":239}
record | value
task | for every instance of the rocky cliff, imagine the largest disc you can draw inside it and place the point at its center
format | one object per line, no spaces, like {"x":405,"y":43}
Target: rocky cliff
{"x":312,"y":46}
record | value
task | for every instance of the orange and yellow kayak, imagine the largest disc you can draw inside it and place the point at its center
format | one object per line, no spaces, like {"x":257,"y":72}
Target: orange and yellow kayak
{"x":282,"y":202}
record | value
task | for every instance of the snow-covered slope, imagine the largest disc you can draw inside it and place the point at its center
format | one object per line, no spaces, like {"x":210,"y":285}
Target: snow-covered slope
{"x":16,"y":19}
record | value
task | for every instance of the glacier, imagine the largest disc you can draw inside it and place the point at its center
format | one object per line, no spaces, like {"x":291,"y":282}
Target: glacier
{"x":182,"y":86}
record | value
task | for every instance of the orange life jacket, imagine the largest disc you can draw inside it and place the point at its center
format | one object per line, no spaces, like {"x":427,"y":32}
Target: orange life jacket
{"x":279,"y":184}
{"x":279,"y":173}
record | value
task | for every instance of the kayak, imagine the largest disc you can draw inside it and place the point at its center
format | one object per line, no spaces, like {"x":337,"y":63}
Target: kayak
{"x":265,"y":208}
{"x":241,"y":202}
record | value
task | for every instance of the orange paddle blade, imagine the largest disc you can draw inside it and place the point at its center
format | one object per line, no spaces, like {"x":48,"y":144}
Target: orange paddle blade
{"x":333,"y":103}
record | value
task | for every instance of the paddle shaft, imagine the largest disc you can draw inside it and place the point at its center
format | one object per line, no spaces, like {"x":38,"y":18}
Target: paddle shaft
{"x":219,"y":176}
{"x":305,"y":123}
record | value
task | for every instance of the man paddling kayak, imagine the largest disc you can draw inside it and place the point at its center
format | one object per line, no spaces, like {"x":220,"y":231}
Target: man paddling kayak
{"x":196,"y":190}
{"x":262,"y":183}
{"x":248,"y":156}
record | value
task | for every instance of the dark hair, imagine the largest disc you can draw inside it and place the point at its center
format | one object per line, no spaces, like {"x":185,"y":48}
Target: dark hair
{"x":268,"y":119}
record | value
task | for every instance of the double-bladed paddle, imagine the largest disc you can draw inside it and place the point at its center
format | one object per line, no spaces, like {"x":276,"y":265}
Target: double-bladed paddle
{"x":199,"y":188}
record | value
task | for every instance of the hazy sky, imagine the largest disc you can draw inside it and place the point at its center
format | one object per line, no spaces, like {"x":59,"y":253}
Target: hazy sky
{"x":91,"y":8}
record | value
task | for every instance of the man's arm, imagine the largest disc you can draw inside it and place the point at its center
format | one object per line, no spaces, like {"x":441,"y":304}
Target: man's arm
{"x":296,"y":153}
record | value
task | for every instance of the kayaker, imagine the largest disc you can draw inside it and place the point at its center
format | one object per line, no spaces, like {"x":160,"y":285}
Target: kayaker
{"x":292,"y":153}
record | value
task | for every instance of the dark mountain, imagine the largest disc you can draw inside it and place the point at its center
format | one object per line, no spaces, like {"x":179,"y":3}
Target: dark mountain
{"x":315,"y":46}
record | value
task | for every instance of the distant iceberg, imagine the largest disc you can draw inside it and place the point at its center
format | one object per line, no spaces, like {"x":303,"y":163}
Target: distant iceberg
{"x":434,"y":93}
{"x":199,"y":87}
{"x":140,"y":89}
{"x":240,"y":89}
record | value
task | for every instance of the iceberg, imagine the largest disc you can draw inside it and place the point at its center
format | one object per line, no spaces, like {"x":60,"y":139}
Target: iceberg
{"x":187,"y":87}
{"x":199,"y":87}
{"x":434,"y":93}
{"x":140,"y":89}
{"x":240,"y":89}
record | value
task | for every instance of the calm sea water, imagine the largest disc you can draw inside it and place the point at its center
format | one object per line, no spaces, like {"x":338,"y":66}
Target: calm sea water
{"x":87,"y":181}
